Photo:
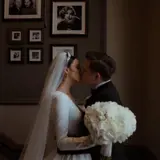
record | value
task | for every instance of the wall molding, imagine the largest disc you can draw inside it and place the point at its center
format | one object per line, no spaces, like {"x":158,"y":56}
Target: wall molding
{"x":20,"y":102}
{"x":7,"y":141}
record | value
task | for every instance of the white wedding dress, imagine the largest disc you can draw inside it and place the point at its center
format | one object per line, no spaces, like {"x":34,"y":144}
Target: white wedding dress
{"x":66,"y":127}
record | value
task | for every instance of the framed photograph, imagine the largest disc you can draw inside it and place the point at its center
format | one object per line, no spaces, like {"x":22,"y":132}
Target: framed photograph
{"x":15,"y":36}
{"x":69,"y":18}
{"x":22,"y":9}
{"x":35,"y":55}
{"x":16,"y":55}
{"x":58,"y":48}
{"x":35,"y":36}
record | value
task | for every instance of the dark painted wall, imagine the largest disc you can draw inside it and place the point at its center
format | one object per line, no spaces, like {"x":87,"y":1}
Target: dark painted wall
{"x":23,"y":83}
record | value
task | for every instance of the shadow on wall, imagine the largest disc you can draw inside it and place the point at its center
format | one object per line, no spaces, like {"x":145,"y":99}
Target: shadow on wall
{"x":133,"y":31}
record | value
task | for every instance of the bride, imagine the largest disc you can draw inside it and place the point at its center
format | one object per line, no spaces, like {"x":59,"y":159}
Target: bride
{"x":58,"y":130}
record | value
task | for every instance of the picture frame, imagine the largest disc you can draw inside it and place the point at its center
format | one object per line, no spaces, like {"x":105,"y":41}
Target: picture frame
{"x":75,"y":25}
{"x":15,"y":36}
{"x":35,"y":55}
{"x":22,"y":9}
{"x":15,"y":55}
{"x":58,"y":48}
{"x":35,"y":36}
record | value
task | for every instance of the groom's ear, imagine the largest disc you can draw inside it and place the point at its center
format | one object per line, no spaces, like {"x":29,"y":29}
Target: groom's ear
{"x":97,"y":76}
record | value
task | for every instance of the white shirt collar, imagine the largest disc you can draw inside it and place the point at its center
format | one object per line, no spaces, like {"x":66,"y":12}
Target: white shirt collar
{"x":102,"y":83}
{"x":98,"y":86}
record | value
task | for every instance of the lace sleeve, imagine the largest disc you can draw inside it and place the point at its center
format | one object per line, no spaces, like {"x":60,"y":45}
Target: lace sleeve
{"x":64,"y":142}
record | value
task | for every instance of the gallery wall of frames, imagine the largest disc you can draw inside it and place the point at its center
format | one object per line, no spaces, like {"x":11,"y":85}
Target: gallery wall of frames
{"x":33,"y":32}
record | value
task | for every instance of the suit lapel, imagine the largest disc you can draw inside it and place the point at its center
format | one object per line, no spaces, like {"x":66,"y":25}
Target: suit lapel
{"x":91,"y":99}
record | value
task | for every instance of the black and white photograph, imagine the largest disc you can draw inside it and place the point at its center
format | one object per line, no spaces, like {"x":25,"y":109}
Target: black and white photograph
{"x":22,"y":9}
{"x":58,"y":48}
{"x":15,"y":55}
{"x":35,"y":36}
{"x":35,"y":55}
{"x":16,"y":36}
{"x":69,"y":18}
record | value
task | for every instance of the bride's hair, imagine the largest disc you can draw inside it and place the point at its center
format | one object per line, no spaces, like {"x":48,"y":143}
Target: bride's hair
{"x":71,"y":59}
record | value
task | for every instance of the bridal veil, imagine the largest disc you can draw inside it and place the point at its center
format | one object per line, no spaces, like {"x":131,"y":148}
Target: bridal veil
{"x":36,"y":143}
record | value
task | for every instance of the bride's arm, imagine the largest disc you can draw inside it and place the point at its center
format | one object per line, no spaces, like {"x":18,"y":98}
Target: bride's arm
{"x":62,"y":122}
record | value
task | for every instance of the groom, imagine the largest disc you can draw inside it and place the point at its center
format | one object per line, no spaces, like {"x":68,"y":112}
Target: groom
{"x":97,"y":72}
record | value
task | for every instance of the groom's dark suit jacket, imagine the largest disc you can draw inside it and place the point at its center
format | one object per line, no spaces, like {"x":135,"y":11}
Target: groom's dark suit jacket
{"x":106,"y":92}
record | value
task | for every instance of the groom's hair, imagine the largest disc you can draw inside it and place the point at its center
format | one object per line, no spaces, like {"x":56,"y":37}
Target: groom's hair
{"x":102,"y":63}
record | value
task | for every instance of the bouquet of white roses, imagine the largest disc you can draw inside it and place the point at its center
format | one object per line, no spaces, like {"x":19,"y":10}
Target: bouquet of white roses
{"x":109,"y":123}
